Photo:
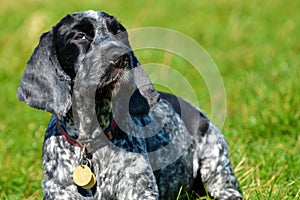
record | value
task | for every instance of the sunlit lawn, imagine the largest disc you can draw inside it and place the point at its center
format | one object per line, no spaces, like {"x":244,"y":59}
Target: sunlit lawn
{"x":255,"y":45}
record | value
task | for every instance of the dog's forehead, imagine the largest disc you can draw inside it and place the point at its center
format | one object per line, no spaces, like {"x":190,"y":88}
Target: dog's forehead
{"x":96,"y":15}
{"x":92,"y":14}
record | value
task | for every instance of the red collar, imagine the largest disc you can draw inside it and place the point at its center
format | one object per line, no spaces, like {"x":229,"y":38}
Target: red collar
{"x":66,"y":136}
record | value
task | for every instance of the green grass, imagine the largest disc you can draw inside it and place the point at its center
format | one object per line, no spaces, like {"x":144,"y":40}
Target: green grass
{"x":255,"y":45}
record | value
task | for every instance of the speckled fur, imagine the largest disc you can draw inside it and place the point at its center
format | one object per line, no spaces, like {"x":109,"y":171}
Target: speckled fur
{"x":136,"y":163}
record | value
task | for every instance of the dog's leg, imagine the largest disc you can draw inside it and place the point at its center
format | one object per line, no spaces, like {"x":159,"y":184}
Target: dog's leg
{"x":215,"y":167}
{"x":126,"y":175}
{"x":59,"y":161}
{"x":59,"y":192}
{"x":140,"y":185}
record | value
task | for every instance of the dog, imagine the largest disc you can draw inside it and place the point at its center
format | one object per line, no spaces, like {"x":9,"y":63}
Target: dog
{"x":108,"y":119}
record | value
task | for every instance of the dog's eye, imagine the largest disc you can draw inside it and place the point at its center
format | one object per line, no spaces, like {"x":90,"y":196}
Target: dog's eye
{"x":80,"y":36}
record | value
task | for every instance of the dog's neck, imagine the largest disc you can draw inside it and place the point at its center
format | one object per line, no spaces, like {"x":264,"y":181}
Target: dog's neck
{"x":103,"y":110}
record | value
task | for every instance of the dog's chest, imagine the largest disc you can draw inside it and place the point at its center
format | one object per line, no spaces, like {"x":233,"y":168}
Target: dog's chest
{"x":158,"y":159}
{"x":167,"y":147}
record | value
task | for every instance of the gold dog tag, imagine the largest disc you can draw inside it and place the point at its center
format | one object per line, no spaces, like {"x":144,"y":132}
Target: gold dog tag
{"x":84,"y":177}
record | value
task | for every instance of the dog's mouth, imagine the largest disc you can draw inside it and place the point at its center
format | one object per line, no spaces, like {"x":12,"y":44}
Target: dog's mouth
{"x":116,"y":71}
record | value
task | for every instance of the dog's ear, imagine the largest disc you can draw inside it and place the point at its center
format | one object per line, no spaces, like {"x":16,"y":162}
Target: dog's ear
{"x":44,"y":85}
{"x":145,"y":97}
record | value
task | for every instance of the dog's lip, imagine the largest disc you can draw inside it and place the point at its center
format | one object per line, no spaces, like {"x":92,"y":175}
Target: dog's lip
{"x":114,"y":77}
{"x":121,"y":62}
{"x":116,"y":72}
{"x":117,"y":68}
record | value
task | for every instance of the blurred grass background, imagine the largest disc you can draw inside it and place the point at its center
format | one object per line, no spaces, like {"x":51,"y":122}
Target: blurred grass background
{"x":255,"y":45}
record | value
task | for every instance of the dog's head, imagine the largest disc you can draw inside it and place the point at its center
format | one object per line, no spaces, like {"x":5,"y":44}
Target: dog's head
{"x":87,"y":51}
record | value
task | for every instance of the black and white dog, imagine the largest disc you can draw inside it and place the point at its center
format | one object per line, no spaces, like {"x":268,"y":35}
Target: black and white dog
{"x":135,"y":142}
